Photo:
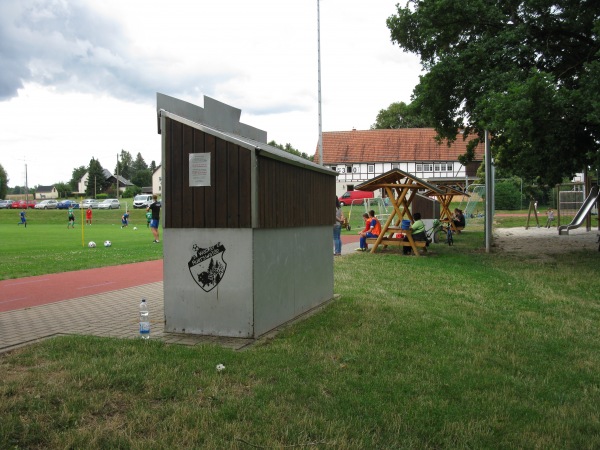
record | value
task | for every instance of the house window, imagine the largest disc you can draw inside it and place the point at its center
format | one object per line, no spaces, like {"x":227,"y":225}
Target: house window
{"x":348,"y":169}
{"x":371,"y":168}
{"x":395,"y":166}
{"x":436,"y":168}
{"x":419,"y":167}
{"x":427,"y":167}
{"x":449,"y":167}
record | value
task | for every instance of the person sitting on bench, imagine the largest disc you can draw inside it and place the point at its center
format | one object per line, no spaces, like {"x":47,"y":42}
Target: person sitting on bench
{"x":372,"y":229}
{"x":418,"y":232}
{"x":458,"y":218}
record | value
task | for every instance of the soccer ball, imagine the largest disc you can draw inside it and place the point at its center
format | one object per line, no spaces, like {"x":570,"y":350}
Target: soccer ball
{"x":107,"y":243}
{"x":134,"y":228}
{"x":92,"y":244}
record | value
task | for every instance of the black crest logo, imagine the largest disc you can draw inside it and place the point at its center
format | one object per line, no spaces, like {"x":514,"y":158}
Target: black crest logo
{"x":207,"y":266}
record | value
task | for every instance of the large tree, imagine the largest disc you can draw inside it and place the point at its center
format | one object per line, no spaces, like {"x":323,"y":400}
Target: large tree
{"x":138,"y":164}
{"x":3,"y":182}
{"x":124,"y":166}
{"x":401,"y":115}
{"x":76,"y":176}
{"x":142,"y":178}
{"x":63,"y":189}
{"x":96,"y":182}
{"x":528,"y":71}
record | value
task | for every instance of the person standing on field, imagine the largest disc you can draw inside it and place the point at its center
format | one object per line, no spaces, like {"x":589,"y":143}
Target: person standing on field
{"x":23,"y":219}
{"x":155,"y":209}
{"x":88,"y":216}
{"x":337,"y":228}
{"x":71,"y":222}
{"x":125,"y":219}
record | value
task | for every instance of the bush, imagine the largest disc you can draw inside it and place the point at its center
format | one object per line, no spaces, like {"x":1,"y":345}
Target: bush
{"x":507,"y":195}
{"x":132,"y":191}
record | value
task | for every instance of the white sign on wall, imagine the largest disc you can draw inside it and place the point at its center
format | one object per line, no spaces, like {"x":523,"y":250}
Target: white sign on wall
{"x":199,"y":169}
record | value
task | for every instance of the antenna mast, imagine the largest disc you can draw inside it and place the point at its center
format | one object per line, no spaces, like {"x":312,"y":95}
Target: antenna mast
{"x":319,"y":70}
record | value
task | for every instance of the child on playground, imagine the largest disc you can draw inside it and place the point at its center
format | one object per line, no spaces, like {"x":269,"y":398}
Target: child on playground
{"x":550,"y":214}
{"x":458,"y":218}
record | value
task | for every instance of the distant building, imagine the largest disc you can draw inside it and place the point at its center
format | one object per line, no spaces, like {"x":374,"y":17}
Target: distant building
{"x":112,"y":179}
{"x":46,"y":192}
{"x":360,"y":155}
{"x":157,"y":181}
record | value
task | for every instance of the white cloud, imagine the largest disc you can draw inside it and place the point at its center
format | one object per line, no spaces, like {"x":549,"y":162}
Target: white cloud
{"x":82,"y":75}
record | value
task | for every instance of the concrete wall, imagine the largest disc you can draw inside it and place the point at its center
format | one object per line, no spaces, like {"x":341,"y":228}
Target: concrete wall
{"x":227,"y":309}
{"x":293,"y":273}
{"x":271,"y":277}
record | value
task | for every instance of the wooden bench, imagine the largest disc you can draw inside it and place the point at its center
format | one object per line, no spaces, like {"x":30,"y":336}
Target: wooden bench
{"x":400,"y":242}
{"x":397,"y":241}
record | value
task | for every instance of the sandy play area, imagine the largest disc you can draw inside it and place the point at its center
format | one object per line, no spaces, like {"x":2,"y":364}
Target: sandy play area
{"x":543,"y":241}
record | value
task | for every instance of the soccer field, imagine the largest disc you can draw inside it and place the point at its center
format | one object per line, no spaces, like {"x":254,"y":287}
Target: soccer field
{"x":47,"y":246}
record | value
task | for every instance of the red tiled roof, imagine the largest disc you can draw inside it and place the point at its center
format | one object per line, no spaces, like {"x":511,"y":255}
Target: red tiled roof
{"x":403,"y":144}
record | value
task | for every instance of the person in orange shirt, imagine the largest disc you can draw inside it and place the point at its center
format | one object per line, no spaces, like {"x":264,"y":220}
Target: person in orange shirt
{"x":372,"y":230}
{"x":88,"y":216}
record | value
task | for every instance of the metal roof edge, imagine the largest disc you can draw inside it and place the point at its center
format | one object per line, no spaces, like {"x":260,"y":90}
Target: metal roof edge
{"x":261,"y":148}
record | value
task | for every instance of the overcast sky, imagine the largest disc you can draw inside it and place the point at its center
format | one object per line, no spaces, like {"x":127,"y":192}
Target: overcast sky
{"x":79,"y":78}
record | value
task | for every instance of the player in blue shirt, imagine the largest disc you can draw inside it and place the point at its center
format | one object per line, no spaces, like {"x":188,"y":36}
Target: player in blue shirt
{"x":23,"y":219}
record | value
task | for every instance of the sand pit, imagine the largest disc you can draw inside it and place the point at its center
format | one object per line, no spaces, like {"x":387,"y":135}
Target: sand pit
{"x":543,"y":241}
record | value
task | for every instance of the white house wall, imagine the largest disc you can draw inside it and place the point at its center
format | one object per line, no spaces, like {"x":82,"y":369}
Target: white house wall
{"x":157,"y":181}
{"x":352,"y":174}
{"x":82,"y":185}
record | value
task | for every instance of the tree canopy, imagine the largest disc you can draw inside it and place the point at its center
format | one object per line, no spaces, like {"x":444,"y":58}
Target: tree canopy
{"x":142,"y":178}
{"x":139,"y":164}
{"x":77,"y":174}
{"x":3,"y":182}
{"x":527,"y":71}
{"x":289,"y":149}
{"x":96,"y":181}
{"x":401,"y":115}
{"x":124,"y":166}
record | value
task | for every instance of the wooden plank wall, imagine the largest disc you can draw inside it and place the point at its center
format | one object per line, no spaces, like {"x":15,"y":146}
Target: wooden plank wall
{"x":292,"y":196}
{"x":227,"y":202}
{"x":288,"y":195}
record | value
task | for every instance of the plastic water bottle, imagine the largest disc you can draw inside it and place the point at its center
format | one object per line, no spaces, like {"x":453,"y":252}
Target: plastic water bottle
{"x":144,"y":320}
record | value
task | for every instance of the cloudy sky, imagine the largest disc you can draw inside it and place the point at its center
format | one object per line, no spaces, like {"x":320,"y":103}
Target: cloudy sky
{"x":79,"y":77}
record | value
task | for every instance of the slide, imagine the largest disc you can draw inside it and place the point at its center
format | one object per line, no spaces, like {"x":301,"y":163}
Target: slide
{"x":587,"y":206}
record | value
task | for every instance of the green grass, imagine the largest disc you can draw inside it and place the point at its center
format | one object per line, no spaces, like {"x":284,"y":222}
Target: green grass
{"x":47,"y":246}
{"x":459,"y":349}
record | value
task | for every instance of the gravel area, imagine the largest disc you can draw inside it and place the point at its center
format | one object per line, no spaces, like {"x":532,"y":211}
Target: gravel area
{"x":544,"y":241}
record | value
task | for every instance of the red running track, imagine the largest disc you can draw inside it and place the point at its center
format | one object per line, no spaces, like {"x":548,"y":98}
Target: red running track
{"x":43,"y":289}
{"x":40,"y":290}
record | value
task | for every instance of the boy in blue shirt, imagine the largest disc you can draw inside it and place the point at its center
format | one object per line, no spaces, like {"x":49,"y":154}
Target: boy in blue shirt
{"x":23,"y":219}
